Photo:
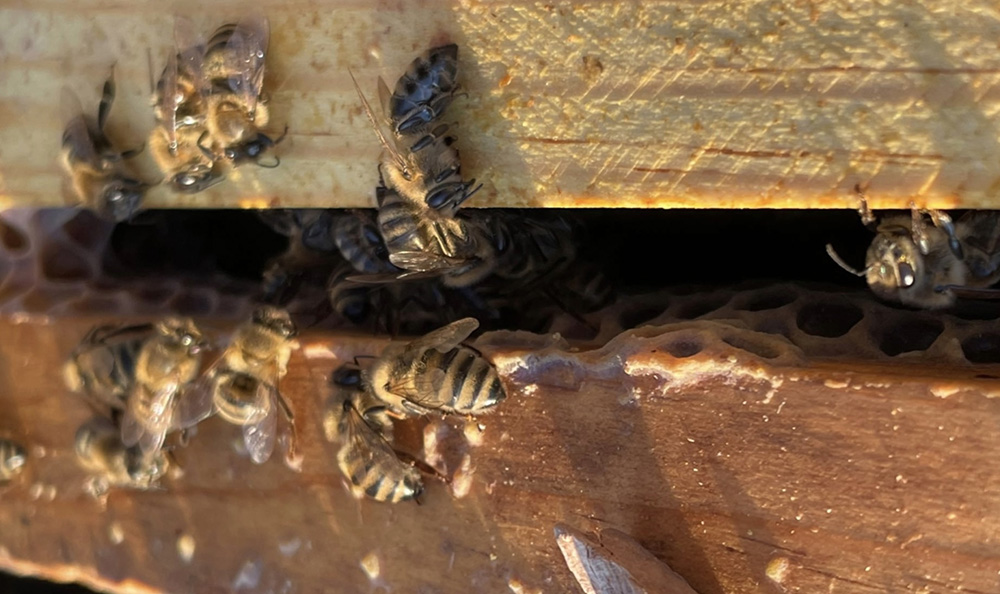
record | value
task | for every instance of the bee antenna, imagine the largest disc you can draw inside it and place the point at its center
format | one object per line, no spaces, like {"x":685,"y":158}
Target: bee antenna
{"x":840,"y":262}
{"x":378,"y":129}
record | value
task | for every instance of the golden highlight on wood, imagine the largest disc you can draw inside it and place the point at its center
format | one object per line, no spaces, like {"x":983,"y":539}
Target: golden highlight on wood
{"x":570,"y":104}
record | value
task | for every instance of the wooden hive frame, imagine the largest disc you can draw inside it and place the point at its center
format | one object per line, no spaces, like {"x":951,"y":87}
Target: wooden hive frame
{"x":744,"y":474}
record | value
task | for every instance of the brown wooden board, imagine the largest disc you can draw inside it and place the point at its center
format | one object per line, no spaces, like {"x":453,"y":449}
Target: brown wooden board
{"x":707,"y":104}
{"x":743,"y":475}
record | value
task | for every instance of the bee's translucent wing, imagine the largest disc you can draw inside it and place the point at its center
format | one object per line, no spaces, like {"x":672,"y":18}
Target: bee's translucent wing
{"x":421,"y":392}
{"x":426,"y":261}
{"x":169,"y":99}
{"x":445,"y":338}
{"x":195,"y":403}
{"x":383,"y":135}
{"x":190,"y":50}
{"x":77,"y":136}
{"x":248,"y":45}
{"x":259,"y":436}
{"x":150,"y":431}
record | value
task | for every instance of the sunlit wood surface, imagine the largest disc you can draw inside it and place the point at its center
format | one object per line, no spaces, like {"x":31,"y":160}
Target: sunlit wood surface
{"x":782,"y":104}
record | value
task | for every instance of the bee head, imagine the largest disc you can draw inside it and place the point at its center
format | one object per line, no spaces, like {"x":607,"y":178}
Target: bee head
{"x":182,"y":333}
{"x":121,"y":198}
{"x":893,"y":264}
{"x":347,"y":375}
{"x":195,"y":179}
{"x":253,"y":149}
{"x":276,"y":320}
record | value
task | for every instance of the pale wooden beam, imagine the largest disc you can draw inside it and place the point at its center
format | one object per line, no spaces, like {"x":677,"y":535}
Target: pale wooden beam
{"x":664,"y":104}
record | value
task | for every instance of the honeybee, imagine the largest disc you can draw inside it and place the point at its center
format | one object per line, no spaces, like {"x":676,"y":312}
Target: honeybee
{"x":99,"y":449}
{"x":242,"y":386}
{"x":233,"y":78}
{"x":436,"y":373}
{"x":419,"y":162}
{"x":102,"y":367}
{"x":12,"y":460}
{"x":165,"y":364}
{"x":420,"y":241}
{"x":930,"y":266}
{"x":96,"y":169}
{"x":366,"y":456}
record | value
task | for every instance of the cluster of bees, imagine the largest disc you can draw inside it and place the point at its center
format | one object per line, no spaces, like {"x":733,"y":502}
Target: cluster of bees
{"x":209,"y":114}
{"x":147,"y":381}
{"x":419,"y":259}
{"x":930,"y":266}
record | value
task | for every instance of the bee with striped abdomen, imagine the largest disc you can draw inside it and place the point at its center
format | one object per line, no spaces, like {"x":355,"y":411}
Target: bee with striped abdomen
{"x":96,"y":169}
{"x":419,"y":161}
{"x":12,"y":460}
{"x":366,"y":456}
{"x":242,"y":386}
{"x":436,"y":373}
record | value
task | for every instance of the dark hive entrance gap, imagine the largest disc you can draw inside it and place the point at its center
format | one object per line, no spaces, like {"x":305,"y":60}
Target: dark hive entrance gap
{"x":640,"y":251}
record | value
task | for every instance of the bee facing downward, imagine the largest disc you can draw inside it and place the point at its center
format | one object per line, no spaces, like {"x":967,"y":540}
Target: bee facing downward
{"x":366,"y":456}
{"x":418,"y":161}
{"x":242,"y":386}
{"x":99,"y":177}
{"x":931,"y":266}
{"x":167,"y":362}
{"x":233,"y":79}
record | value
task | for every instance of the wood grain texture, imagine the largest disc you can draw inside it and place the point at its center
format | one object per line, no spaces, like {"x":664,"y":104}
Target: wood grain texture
{"x":743,"y":475}
{"x":704,"y":104}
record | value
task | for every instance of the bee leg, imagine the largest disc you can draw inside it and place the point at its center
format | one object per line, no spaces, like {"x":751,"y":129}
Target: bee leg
{"x":205,"y":150}
{"x":107,"y":98}
{"x":918,"y":229}
{"x":867,"y":218}
{"x":943,"y":222}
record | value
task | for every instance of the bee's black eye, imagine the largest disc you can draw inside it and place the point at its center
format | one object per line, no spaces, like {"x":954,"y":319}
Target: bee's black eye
{"x":253,"y":150}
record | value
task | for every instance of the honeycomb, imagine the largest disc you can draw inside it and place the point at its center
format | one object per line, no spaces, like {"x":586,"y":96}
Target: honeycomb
{"x":820,"y":321}
{"x":58,"y":262}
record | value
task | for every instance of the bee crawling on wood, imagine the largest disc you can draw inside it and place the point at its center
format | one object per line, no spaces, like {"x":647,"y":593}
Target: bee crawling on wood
{"x":930,"y":266}
{"x":418,"y":160}
{"x":242,"y":386}
{"x":97,"y":170}
{"x":436,"y":373}
{"x":135,"y":375}
{"x":366,"y":456}
{"x":232,"y":84}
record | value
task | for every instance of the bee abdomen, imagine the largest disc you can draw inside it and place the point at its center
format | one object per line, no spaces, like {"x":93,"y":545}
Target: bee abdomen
{"x":471,"y":383}
{"x":382,"y":483}
{"x":425,"y":90}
